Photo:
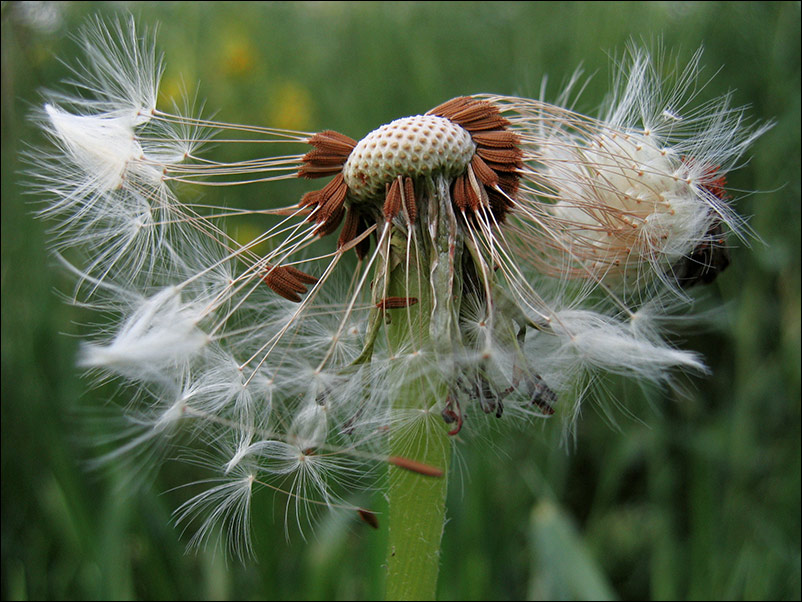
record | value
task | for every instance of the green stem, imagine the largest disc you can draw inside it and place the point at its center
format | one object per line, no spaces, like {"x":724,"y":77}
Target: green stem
{"x":417,"y":503}
{"x":417,"y":514}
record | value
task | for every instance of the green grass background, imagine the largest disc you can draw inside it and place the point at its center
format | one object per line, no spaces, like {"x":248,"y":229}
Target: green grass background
{"x":690,"y":497}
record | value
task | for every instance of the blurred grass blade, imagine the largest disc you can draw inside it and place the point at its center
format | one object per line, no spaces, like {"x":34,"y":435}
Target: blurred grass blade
{"x":562,"y":565}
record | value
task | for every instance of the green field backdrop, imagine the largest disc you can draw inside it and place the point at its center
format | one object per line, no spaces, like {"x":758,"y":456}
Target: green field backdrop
{"x":693,"y":496}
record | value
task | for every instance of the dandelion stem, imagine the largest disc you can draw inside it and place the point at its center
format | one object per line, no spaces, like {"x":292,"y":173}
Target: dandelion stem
{"x":417,"y":502}
{"x":417,"y":513}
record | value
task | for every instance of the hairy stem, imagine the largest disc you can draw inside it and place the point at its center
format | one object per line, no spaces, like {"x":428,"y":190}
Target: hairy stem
{"x":421,"y":266}
{"x":417,"y":513}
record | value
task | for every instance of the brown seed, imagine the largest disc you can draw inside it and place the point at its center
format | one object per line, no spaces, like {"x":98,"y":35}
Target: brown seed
{"x":511,"y":156}
{"x":409,"y":199}
{"x":331,"y":223}
{"x":369,"y":517}
{"x":287,"y":281}
{"x":396,"y":302}
{"x":450,"y":107}
{"x":488,"y":177}
{"x":452,"y":414}
{"x":473,"y":115}
{"x":508,"y":167}
{"x":350,"y":228}
{"x":331,"y":152}
{"x":413,"y":466}
{"x":299,"y":275}
{"x":321,"y":158}
{"x":508,"y":182}
{"x":543,"y":397}
{"x":493,"y":122}
{"x":332,"y":198}
{"x":500,"y":205}
{"x":392,"y":203}
{"x":333,"y":142}
{"x":474,"y":110}
{"x":460,"y":194}
{"x":311,"y":171}
{"x":363,"y":247}
{"x":310,"y":198}
{"x":472,"y":191}
{"x":496,"y":139}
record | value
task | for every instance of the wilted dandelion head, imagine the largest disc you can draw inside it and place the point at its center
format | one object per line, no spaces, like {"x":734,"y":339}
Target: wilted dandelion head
{"x":487,"y":257}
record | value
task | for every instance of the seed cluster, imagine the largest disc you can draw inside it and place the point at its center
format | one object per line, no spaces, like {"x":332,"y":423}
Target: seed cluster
{"x":464,"y":139}
{"x":287,"y":281}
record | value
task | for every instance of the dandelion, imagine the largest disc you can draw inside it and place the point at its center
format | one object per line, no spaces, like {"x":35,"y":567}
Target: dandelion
{"x":491,"y":256}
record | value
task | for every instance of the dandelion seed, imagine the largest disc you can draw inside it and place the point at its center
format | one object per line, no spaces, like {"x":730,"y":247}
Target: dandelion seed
{"x":514,"y":244}
{"x":369,"y":517}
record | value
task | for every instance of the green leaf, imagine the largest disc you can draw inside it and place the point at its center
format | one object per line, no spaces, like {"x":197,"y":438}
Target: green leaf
{"x":563,"y":567}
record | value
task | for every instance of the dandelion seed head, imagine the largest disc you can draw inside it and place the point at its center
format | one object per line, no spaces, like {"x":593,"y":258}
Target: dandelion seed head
{"x":506,"y":252}
{"x":628,"y":206}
